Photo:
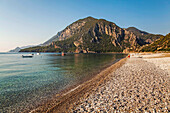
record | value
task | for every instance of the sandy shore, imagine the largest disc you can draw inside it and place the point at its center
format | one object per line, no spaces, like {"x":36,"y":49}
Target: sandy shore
{"x":140,"y":85}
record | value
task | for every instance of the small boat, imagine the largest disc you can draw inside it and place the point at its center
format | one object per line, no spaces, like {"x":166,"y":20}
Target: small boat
{"x":27,"y":56}
{"x":38,"y":53}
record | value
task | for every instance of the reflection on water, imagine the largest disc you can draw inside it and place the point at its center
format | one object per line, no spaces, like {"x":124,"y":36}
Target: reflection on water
{"x":25,"y":83}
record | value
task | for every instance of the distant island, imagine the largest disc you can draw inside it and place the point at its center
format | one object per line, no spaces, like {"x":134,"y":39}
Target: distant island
{"x":98,"y":35}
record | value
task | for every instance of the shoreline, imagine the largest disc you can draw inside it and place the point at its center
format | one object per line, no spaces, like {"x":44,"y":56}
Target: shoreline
{"x":62,"y":100}
{"x":140,"y":85}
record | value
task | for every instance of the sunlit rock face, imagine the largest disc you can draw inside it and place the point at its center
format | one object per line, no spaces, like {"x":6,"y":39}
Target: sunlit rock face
{"x":97,"y":35}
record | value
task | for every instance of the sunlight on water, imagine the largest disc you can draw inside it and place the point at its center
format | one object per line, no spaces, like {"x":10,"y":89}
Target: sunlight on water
{"x":26,"y":82}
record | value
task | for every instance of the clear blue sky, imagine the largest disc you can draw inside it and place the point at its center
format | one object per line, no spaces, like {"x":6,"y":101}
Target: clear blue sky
{"x":31,"y":22}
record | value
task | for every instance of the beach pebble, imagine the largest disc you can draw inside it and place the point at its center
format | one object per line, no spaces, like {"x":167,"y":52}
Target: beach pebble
{"x":138,"y":86}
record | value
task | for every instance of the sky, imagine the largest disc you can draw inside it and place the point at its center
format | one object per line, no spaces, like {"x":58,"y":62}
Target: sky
{"x":32,"y":22}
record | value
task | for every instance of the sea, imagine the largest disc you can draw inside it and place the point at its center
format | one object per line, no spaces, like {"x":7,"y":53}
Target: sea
{"x":25,"y":83}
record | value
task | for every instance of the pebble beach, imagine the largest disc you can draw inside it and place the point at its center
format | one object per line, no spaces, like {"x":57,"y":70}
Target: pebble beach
{"x":142,"y":84}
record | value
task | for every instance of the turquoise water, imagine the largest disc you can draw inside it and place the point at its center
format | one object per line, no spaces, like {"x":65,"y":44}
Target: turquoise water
{"x":27,"y":82}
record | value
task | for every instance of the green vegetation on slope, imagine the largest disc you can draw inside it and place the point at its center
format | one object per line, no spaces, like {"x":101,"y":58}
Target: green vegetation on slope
{"x":146,"y":38}
{"x":58,"y":46}
{"x":96,"y":35}
{"x":103,"y":44}
{"x":162,"y":44}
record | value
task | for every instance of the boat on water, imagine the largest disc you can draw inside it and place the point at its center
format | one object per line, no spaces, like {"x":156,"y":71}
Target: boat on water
{"x":27,"y":56}
{"x":38,"y":53}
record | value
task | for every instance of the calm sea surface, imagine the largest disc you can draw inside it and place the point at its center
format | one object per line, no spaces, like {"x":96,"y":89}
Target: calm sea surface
{"x":27,"y":82}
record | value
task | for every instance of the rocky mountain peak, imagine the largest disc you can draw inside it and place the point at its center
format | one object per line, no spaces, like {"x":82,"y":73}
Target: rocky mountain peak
{"x":97,"y":35}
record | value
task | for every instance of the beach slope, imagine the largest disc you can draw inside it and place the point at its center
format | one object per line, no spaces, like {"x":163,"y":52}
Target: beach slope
{"x":138,"y":86}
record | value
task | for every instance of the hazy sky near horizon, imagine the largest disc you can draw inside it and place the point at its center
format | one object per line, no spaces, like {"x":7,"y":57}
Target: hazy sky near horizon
{"x":31,"y":22}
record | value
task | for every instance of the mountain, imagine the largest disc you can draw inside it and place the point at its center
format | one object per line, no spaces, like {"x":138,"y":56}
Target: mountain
{"x":145,"y":38}
{"x":94,"y":35}
{"x":69,"y":31}
{"x":17,"y":49}
{"x":162,"y":44}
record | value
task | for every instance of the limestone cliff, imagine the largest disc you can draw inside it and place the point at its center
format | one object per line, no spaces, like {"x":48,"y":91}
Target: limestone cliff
{"x":92,"y":35}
